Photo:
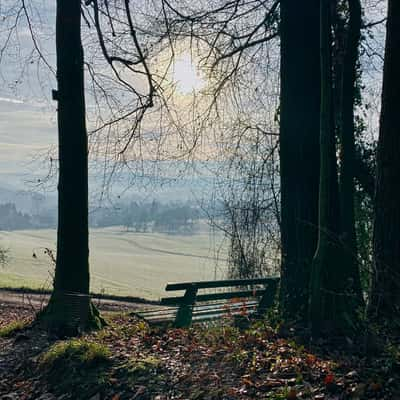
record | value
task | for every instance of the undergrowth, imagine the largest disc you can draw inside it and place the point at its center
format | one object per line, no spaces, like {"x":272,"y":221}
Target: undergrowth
{"x":129,"y":359}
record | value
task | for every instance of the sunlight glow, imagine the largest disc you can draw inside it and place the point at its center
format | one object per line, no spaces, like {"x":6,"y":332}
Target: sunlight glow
{"x":186,"y":75}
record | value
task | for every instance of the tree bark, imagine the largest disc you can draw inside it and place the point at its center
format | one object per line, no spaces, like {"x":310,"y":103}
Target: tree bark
{"x":327,"y":283}
{"x":299,"y":151}
{"x":385,"y":291}
{"x":69,"y":308}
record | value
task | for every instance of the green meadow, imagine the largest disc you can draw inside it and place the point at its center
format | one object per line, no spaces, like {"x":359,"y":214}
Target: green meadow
{"x":122,"y":263}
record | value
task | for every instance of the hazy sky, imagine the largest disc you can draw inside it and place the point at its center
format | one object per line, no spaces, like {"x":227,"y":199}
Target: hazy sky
{"x":25,"y":131}
{"x":27,"y":115}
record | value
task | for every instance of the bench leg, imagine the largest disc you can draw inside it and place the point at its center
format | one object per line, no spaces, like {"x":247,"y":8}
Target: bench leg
{"x":267,"y":299}
{"x":183,"y":317}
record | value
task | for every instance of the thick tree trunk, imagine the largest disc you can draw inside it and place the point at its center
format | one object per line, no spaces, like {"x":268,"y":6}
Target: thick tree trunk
{"x":299,"y":151}
{"x":347,"y":149}
{"x":385,"y":293}
{"x":72,"y":272}
{"x":327,"y":297}
{"x":70,"y":307}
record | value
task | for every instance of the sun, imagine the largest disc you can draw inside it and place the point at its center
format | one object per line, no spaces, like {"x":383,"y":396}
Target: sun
{"x":186,"y":76}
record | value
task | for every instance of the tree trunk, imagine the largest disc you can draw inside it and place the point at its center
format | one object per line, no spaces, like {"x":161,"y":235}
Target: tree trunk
{"x":69,"y":308}
{"x":299,"y":151}
{"x":347,"y":149}
{"x":327,"y":283}
{"x":385,"y":293}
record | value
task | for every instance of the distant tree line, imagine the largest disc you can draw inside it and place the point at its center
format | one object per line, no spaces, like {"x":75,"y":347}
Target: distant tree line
{"x":12,"y":219}
{"x":171,"y":218}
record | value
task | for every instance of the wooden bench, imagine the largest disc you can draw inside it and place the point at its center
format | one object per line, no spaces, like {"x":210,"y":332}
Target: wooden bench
{"x":245,"y":297}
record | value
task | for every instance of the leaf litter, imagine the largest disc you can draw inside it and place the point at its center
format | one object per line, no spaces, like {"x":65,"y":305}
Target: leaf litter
{"x":214,"y":361}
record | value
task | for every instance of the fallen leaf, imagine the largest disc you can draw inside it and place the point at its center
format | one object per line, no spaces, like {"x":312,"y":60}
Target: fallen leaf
{"x":375,"y":386}
{"x":329,"y":379}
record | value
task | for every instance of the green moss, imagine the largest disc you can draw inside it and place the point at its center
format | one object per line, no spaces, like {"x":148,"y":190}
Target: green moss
{"x":13,"y":328}
{"x":217,"y":335}
{"x":74,"y":351}
{"x":141,"y":371}
{"x":77,"y":367}
{"x":129,"y":330}
{"x":145,"y":365}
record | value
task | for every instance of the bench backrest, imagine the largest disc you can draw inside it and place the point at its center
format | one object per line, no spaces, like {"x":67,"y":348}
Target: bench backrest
{"x":219,"y":284}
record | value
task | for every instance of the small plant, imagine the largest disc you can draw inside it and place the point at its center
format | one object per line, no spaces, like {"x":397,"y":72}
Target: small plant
{"x":218,"y":335}
{"x":238,"y":356}
{"x":4,"y":256}
{"x":143,"y":366}
{"x":282,"y":394}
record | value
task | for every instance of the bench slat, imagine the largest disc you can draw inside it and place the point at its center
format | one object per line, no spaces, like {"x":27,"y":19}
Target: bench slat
{"x":217,"y":284}
{"x":202,"y":316}
{"x":204,"y":308}
{"x":215,"y":296}
{"x":227,"y":311}
{"x":214,"y":316}
{"x":157,"y":312}
{"x":155,"y":309}
{"x":220,"y":304}
{"x":161,"y":317}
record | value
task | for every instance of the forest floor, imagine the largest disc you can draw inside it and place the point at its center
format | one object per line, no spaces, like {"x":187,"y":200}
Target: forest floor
{"x":130,"y":360}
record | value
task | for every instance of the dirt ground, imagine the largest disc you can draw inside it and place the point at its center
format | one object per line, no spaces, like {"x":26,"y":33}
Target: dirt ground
{"x":16,"y":305}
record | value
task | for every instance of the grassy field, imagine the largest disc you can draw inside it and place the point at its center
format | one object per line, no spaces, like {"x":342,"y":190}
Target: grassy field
{"x":122,"y":263}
